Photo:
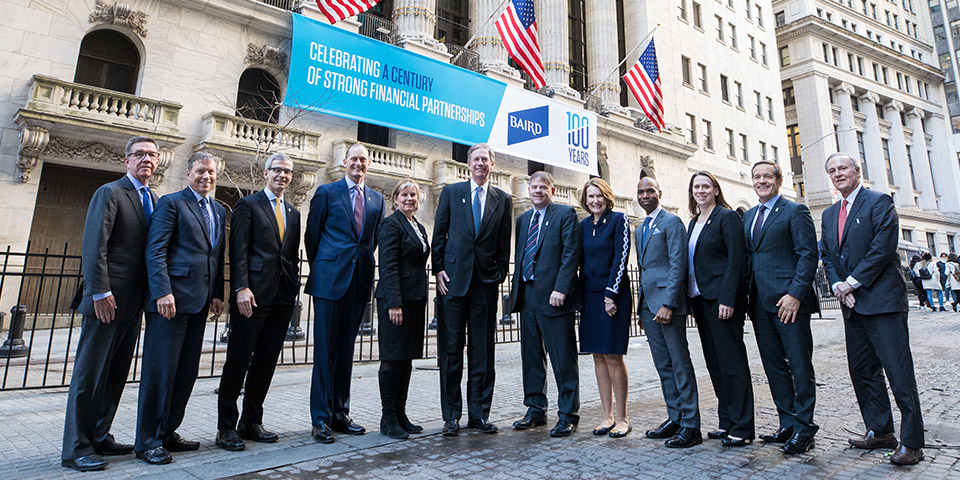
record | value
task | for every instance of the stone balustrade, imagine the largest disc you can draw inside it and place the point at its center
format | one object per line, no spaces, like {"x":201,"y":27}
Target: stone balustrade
{"x":232,"y":134}
{"x":385,"y":161}
{"x":447,"y":171}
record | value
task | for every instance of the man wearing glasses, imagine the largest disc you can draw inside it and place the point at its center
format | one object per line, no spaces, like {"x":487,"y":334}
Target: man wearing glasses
{"x":114,"y":287}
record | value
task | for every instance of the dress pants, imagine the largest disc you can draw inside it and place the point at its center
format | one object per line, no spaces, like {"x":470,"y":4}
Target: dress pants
{"x":558,"y":335}
{"x":878,"y":345}
{"x":726,"y":359}
{"x":786,"y":351}
{"x":99,"y":375}
{"x":671,"y":356}
{"x":474,"y":314}
{"x":252,"y":353}
{"x":171,"y":360}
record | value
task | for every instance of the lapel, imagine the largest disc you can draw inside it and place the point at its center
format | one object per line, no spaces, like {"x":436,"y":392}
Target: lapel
{"x":493,"y":199}
{"x":466,"y":208}
{"x":408,"y":229}
{"x":194,"y":207}
{"x":777,"y":207}
{"x":369,"y":209}
{"x":707,"y":227}
{"x":747,"y":227}
{"x":653,"y":227}
{"x":544,"y":223}
{"x":854,"y":209}
{"x":264,"y":202}
{"x":135,"y":200}
{"x":344,"y":194}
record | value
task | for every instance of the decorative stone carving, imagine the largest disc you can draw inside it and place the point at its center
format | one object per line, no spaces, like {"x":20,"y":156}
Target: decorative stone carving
{"x":646,"y":165}
{"x":303,"y":181}
{"x":846,"y":87}
{"x":166,"y":157}
{"x":298,"y":6}
{"x":916,"y":112}
{"x":870,"y":97}
{"x":266,"y":55}
{"x":33,"y":140}
{"x":87,"y":151}
{"x":895,"y":105}
{"x":121,"y":15}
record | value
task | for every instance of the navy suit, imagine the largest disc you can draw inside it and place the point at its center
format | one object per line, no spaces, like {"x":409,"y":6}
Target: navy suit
{"x":341,"y":279}
{"x":877,"y":337}
{"x":181,"y":261}
{"x":783,"y":259}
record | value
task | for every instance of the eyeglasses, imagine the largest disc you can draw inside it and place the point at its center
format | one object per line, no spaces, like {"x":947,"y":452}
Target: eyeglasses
{"x":141,"y":154}
{"x":279,"y":170}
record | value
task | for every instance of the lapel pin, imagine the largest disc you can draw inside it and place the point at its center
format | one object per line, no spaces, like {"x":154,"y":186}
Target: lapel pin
{"x":463,"y":200}
{"x":858,"y":221}
{"x":708,"y":222}
{"x":546,"y":223}
{"x":776,"y":209}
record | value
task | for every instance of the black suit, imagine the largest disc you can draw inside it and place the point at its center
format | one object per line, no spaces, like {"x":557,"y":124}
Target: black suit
{"x":718,"y":266}
{"x":556,"y":258}
{"x":477,"y":261}
{"x":269,"y":267}
{"x":878,"y":340}
{"x":114,"y":236}
{"x":402,"y":283}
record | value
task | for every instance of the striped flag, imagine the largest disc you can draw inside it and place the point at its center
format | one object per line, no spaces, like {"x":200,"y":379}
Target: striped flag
{"x":644,"y":81}
{"x":336,"y":10}
{"x":518,"y":30}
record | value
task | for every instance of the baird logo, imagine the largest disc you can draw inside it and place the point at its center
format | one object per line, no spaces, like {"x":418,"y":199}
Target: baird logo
{"x":528,"y":124}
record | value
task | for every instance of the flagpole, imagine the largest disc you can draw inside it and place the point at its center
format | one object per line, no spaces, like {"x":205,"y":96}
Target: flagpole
{"x":616,"y":70}
{"x":496,"y":13}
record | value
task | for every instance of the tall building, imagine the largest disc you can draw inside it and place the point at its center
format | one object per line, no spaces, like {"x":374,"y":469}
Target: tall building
{"x":945,"y":23}
{"x":862,"y":77}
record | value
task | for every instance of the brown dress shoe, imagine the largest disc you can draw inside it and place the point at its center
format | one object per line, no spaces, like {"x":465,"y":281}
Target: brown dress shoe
{"x":905,"y":455}
{"x":871,"y":440}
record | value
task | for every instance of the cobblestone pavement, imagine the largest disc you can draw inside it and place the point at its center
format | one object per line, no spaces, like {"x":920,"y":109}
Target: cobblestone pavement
{"x":31,"y":426}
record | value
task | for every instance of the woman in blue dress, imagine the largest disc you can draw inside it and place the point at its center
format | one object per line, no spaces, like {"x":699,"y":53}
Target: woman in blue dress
{"x":605,"y":318}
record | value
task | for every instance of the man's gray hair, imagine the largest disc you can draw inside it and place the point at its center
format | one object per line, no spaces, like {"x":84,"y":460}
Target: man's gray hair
{"x":267,"y":165}
{"x":128,"y":150}
{"x":480,"y":146}
{"x":853,"y":161}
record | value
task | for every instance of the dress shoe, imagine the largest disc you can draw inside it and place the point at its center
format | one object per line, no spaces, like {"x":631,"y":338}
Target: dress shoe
{"x":391,"y":428}
{"x":563,"y":428}
{"x":348,"y":427}
{"x":621,"y":433}
{"x":176,"y":443}
{"x":407,"y":425}
{"x":530,"y":420}
{"x":482,"y":425}
{"x":942,"y":310}
{"x":782,"y":435}
{"x":685,"y":438}
{"x":798,"y":444}
{"x":92,"y":462}
{"x":603,"y":430}
{"x":256,"y":432}
{"x":229,"y":440}
{"x":451,"y":428}
{"x":155,"y":456}
{"x":321,"y":433}
{"x":731,"y":441}
{"x":904,"y":455}
{"x":666,"y":429}
{"x":871,"y":440}
{"x":718,"y":435}
{"x":111,"y":447}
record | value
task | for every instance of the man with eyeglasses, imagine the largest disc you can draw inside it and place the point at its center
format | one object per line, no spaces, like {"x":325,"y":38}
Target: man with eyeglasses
{"x":114,"y":289}
{"x":264,"y":283}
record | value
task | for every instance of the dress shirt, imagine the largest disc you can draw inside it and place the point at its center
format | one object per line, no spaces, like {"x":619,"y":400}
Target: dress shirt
{"x":483,"y":194}
{"x":693,"y":290}
{"x":416,"y":229}
{"x":273,"y":204}
{"x":850,"y":199}
{"x":353,"y":193}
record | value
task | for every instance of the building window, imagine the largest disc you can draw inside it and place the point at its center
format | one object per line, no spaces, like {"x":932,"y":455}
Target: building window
{"x":907,"y":234}
{"x":952,"y":243}
{"x":739,"y":88}
{"x":932,"y":243}
{"x":577,"y":32}
{"x":763,"y":53}
{"x":826,"y":53}
{"x":108,"y":59}
{"x":731,"y":149}
{"x":861,"y":149}
{"x":685,"y":69}
{"x":375,"y":134}
{"x":769,"y":109}
{"x":779,"y":19}
{"x":707,"y":135}
{"x":886,"y":159}
{"x":258,"y":96}
{"x":784,"y":56}
{"x":763,"y":150}
{"x":759,"y":105}
{"x":683,"y":10}
{"x":453,"y":16}
{"x":720,"y":36}
{"x":793,"y":145}
{"x":913,"y":173}
{"x":886,"y":79}
{"x":703,"y":78}
{"x":691,"y":129}
{"x":697,"y":19}
{"x":724,"y":90}
{"x":749,"y":12}
{"x":744,"y":155}
{"x":733,"y":35}
{"x":788,"y":98}
{"x":759,"y":16}
{"x":753,"y":47}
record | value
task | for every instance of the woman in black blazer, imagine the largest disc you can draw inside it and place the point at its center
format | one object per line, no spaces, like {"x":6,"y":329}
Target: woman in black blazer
{"x":718,"y":300}
{"x":401,"y":305}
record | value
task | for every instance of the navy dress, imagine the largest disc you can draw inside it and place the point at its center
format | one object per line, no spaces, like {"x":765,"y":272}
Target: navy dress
{"x":605,"y":248}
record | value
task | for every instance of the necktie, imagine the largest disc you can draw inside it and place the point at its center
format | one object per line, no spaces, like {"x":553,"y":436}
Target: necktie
{"x":477,"y":211}
{"x":644,"y":233}
{"x":531,"y":243}
{"x":279,"y":214}
{"x":211,"y":227}
{"x":841,"y":220}
{"x":358,"y":208}
{"x":758,"y":224}
{"x":147,"y":203}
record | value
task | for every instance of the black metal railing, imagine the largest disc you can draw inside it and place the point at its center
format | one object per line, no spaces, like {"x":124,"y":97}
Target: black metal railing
{"x":283,"y":4}
{"x":378,"y":28}
{"x":463,"y":57}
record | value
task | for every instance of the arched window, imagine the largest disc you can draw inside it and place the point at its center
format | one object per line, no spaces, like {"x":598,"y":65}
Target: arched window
{"x":108,"y":59}
{"x":258,"y":96}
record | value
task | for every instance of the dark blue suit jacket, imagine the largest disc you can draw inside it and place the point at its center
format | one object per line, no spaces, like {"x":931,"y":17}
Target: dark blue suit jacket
{"x":334,"y":249}
{"x":867,"y":251}
{"x":180,"y":259}
{"x":556,"y":260}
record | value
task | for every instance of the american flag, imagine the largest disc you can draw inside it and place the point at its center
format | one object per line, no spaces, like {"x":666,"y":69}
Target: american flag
{"x":518,"y":30}
{"x":644,"y":81}
{"x":336,"y":10}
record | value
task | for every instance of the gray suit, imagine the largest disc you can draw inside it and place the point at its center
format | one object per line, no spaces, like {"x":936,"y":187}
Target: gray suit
{"x":663,"y":271}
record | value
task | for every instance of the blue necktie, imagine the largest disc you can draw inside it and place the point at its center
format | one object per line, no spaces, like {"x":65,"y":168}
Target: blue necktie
{"x":531,"y":244}
{"x":147,"y":203}
{"x":645,"y":233}
{"x":758,"y":225}
{"x":477,"y":212}
{"x":210,"y":225}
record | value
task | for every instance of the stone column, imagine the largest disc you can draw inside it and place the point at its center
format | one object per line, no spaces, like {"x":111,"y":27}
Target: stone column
{"x":553,"y":22}
{"x":921,"y":163}
{"x":417,"y":21}
{"x":871,"y":143}
{"x":603,"y":52}
{"x":902,"y":176}
{"x":943,"y":163}
{"x":815,"y":120}
{"x":846,"y":130}
{"x":493,"y":55}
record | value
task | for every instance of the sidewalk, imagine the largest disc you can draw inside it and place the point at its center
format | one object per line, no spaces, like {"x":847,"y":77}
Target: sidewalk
{"x":31,"y":425}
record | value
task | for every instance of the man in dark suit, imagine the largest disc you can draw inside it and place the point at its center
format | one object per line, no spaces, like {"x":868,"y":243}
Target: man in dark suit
{"x":185,"y":271}
{"x":471,"y":255}
{"x":114,"y":287}
{"x":860,"y":237}
{"x":340,"y":239}
{"x":264,"y":283}
{"x":662,"y":305}
{"x":545,"y":292}
{"x":782,"y":251}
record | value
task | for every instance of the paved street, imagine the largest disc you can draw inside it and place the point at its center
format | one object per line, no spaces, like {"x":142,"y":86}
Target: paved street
{"x":31,"y":424}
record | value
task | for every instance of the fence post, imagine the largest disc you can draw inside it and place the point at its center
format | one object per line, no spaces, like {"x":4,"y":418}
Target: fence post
{"x":506,"y":319}
{"x":294,"y":332}
{"x":13,"y":346}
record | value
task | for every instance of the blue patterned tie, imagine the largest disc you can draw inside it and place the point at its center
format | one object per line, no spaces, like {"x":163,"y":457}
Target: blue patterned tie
{"x":645,"y":233}
{"x":210,"y":225}
{"x":147,"y":203}
{"x":477,"y":212}
{"x":755,"y":235}
{"x":531,"y":244}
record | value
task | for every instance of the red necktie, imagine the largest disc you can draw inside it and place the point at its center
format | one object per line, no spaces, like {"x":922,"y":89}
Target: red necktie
{"x":841,"y":221}
{"x":358,"y":209}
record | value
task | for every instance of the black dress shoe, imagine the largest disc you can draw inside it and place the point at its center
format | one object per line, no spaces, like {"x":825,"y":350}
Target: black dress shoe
{"x":348,"y":427}
{"x":229,"y":440}
{"x":782,"y":435}
{"x":871,"y":440}
{"x":603,"y":430}
{"x":86,"y":463}
{"x":530,"y":420}
{"x":111,"y":447}
{"x":256,"y":432}
{"x":718,"y":435}
{"x":563,"y":428}
{"x":155,"y":456}
{"x":321,"y":433}
{"x":798,"y":444}
{"x":904,"y":455}
{"x":736,"y":442}
{"x":482,"y":425}
{"x":685,"y":438}
{"x":621,"y":433}
{"x":666,"y":429}
{"x":176,"y":443}
{"x":451,"y":428}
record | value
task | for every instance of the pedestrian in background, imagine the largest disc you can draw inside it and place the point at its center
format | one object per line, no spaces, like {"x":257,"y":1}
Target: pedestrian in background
{"x":929,"y":276}
{"x":953,"y":278}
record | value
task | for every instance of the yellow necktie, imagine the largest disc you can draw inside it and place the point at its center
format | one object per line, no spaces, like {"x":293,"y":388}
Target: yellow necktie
{"x":279,"y":214}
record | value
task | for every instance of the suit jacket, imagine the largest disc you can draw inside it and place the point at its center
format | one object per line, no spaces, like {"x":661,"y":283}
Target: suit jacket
{"x":663,"y":264}
{"x":403,"y":272}
{"x":556,"y":258}
{"x":114,"y":241}
{"x":784,"y":259}
{"x":266,"y":264}
{"x":459,"y":250}
{"x":867,"y":251}
{"x":334,"y":249}
{"x":720,"y":257}
{"x":179,"y":257}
